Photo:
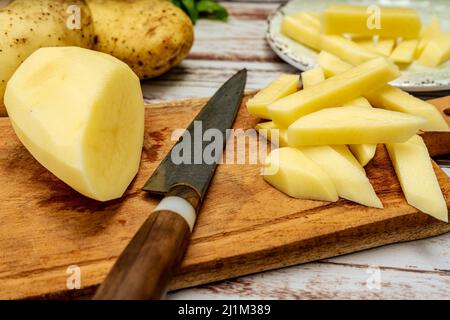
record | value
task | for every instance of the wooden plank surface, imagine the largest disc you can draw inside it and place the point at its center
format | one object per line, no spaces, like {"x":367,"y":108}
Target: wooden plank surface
{"x":220,"y":49}
{"x":246,"y":226}
{"x":328,"y":281}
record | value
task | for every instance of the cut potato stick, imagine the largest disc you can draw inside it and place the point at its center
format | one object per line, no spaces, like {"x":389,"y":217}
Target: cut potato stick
{"x":308,"y":18}
{"x":380,"y":46}
{"x":346,"y":49}
{"x":300,"y":32}
{"x":279,"y":137}
{"x":353,"y":125}
{"x":362,"y":20}
{"x":270,"y":130}
{"x":334,"y":91}
{"x":305,"y":33}
{"x":359,"y":102}
{"x":363,"y":152}
{"x":282,"y":86}
{"x":389,"y":97}
{"x":436,"y":52}
{"x":429,"y":32}
{"x":395,"y":99}
{"x":312,"y":77}
{"x":347,"y":175}
{"x":293,"y":173}
{"x":405,"y":51}
{"x":331,"y":64}
{"x":417,"y":178}
{"x":346,"y":153}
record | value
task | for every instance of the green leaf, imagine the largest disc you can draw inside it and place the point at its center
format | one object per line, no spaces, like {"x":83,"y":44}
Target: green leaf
{"x":212,"y":9}
{"x":176,"y":2}
{"x":190,"y":7}
{"x":203,"y":8}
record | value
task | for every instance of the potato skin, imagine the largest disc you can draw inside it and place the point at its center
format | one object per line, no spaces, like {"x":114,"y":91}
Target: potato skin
{"x":26,"y":26}
{"x":151,"y":36}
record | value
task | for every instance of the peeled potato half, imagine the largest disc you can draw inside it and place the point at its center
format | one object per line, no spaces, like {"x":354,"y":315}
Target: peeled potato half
{"x":80,"y":113}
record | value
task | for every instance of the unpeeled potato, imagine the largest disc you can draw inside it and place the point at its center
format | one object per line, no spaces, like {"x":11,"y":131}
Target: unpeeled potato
{"x":26,"y":26}
{"x":150,"y":36}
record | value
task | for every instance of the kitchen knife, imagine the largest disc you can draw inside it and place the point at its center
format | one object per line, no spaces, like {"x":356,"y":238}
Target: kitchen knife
{"x":145,"y":267}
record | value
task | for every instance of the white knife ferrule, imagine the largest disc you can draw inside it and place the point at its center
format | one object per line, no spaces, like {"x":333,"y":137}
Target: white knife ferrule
{"x":179,"y":206}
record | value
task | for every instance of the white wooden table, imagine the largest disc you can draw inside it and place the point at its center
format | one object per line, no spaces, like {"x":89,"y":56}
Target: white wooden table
{"x":414,"y":270}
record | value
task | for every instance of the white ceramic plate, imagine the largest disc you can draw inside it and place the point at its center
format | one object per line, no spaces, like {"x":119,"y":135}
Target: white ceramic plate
{"x":415,"y":78}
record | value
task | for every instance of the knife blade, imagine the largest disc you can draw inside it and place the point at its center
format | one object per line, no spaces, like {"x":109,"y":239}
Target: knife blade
{"x":145,"y":267}
{"x":218,"y":114}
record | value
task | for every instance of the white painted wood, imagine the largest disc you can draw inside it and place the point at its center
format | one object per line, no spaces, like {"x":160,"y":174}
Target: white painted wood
{"x":327,"y":281}
{"x":241,"y":38}
{"x":431,"y":254}
{"x":201,"y":78}
{"x":447,"y":171}
{"x":414,"y":270}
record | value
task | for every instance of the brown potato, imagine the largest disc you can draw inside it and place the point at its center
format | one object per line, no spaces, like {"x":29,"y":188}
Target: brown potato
{"x":26,"y":26}
{"x":151,"y":36}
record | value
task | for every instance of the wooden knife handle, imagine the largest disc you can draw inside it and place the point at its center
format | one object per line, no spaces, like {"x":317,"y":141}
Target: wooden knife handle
{"x":145,"y":267}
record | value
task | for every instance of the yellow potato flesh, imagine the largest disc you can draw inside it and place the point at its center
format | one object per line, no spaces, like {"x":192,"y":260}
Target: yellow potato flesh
{"x":334,"y":91}
{"x":429,"y":32}
{"x":436,"y":52}
{"x":331,"y":64}
{"x":353,"y":125}
{"x":312,"y":77}
{"x":346,"y":49}
{"x":80,"y":113}
{"x":363,"y":152}
{"x":433,"y":29}
{"x":348,"y":177}
{"x":345,"y":152}
{"x":389,"y":97}
{"x":405,"y":51}
{"x":359,"y":102}
{"x":303,"y":31}
{"x":382,"y":46}
{"x":293,"y":173}
{"x":416,"y":175}
{"x":279,"y":137}
{"x":300,"y":32}
{"x":361,"y":20}
{"x":273,"y":133}
{"x":284,"y":85}
{"x":308,"y":18}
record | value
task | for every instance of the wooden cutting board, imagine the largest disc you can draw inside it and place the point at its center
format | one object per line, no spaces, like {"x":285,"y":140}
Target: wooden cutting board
{"x":245,"y":226}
